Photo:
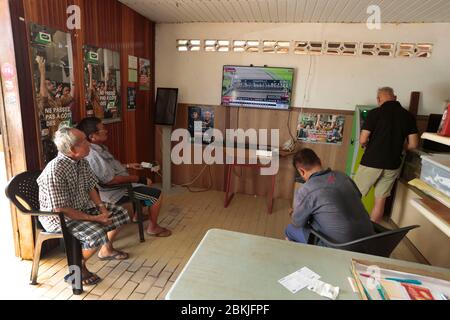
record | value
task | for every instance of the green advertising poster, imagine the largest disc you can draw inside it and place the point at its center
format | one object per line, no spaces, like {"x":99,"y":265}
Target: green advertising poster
{"x":54,"y":89}
{"x":102,"y":81}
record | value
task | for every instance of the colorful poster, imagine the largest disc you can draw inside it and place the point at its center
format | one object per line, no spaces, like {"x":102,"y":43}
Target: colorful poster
{"x":144,"y":74}
{"x":54,"y":89}
{"x":131,"y":98}
{"x":102,"y":80}
{"x":320,"y":128}
{"x":200,"y":120}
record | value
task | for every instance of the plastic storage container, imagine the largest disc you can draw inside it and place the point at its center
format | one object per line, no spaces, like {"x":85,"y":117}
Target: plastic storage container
{"x":436,"y":172}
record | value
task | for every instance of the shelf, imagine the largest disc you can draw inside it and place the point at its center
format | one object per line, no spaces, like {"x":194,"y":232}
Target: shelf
{"x":435,"y":212}
{"x":436,"y":138}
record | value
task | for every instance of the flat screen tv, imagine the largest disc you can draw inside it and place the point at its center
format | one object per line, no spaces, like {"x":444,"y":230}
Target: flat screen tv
{"x":257,"y":87}
{"x":166,"y":106}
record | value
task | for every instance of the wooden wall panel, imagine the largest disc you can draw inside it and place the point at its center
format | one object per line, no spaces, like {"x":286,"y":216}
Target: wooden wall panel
{"x":112,"y":25}
{"x":248,"y":180}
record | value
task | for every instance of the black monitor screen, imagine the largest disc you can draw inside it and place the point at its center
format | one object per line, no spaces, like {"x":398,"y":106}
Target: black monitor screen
{"x":166,"y":106}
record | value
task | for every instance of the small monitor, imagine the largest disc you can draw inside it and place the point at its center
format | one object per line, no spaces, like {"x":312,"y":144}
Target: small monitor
{"x":166,"y":106}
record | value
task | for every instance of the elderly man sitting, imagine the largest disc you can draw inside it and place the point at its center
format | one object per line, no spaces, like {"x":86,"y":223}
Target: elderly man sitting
{"x":112,"y":173}
{"x":67,"y":185}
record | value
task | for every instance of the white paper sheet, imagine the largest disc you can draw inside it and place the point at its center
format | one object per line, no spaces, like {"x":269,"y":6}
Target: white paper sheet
{"x":299,"y":280}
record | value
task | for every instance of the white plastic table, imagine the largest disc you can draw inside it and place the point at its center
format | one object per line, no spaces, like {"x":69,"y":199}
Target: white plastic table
{"x":236,"y":266}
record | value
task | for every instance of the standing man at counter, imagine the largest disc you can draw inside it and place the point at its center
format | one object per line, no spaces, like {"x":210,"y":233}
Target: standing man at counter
{"x":388,"y":131}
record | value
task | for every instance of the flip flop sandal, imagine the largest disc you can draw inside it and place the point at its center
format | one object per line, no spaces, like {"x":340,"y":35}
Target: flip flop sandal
{"x":115,"y":256}
{"x":91,"y":280}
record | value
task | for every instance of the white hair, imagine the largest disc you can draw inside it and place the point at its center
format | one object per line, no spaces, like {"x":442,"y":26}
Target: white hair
{"x":387,"y":90}
{"x":65,"y":140}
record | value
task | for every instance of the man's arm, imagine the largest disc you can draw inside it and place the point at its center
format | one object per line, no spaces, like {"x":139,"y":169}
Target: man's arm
{"x":412,"y":142}
{"x":364,"y":138}
{"x":42,"y":87}
{"x":80,"y":216}
{"x":123,"y":180}
{"x":302,"y":211}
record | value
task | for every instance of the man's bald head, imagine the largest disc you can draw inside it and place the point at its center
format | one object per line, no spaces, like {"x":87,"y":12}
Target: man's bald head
{"x":385,"y":94}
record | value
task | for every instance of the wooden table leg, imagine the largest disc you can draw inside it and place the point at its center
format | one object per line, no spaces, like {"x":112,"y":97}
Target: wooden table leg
{"x":271,"y":192}
{"x":229,"y":186}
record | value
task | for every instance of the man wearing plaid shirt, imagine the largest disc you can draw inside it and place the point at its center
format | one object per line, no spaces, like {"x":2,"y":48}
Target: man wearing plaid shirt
{"x":67,"y":185}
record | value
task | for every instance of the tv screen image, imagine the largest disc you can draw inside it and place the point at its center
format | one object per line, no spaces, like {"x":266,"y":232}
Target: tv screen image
{"x":258,"y":87}
{"x":166,"y":106}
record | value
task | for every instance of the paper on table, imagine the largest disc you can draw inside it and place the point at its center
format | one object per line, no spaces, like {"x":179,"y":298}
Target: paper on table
{"x":324,"y":289}
{"x":299,"y":279}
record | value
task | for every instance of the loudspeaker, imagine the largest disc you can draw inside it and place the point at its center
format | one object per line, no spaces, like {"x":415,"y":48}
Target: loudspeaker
{"x":166,"y":106}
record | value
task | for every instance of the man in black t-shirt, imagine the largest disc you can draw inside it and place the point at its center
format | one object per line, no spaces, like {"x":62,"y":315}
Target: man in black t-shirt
{"x":387,"y":132}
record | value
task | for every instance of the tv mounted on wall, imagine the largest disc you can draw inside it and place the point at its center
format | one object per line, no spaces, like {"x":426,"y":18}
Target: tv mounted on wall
{"x":257,"y":87}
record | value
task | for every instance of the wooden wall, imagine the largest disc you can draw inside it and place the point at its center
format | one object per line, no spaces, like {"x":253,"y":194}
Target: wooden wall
{"x":106,"y":24}
{"x":248,"y":180}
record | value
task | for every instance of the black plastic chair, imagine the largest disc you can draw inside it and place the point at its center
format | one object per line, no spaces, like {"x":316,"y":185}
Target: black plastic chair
{"x":380,"y":244}
{"x":137,"y":205}
{"x":23,"y":192}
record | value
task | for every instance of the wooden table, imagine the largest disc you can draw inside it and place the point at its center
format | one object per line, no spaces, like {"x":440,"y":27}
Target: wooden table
{"x":249,"y":159}
{"x":236,"y":266}
{"x":229,"y":184}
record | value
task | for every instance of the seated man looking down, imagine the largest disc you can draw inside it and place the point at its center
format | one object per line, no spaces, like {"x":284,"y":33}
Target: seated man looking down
{"x":329,"y":201}
{"x":112,"y":173}
{"x":67,"y":185}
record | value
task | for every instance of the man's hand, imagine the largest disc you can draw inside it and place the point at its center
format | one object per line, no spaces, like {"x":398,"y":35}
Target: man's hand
{"x":149,"y":182}
{"x":105,"y":217}
{"x":41,"y":63}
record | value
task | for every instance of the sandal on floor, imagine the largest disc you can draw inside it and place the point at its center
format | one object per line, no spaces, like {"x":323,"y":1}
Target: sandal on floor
{"x":162,"y":234}
{"x":91,"y":280}
{"x":119,"y":255}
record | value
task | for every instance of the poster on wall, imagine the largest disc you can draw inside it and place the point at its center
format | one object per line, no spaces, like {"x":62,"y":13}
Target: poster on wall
{"x":131,"y":105}
{"x":200,"y":120}
{"x":144,"y":74}
{"x":54,"y":89}
{"x":132,"y":69}
{"x":320,"y":128}
{"x":102,"y":81}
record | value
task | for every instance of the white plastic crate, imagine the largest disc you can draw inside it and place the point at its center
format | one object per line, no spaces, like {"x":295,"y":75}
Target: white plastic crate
{"x":436,"y":172}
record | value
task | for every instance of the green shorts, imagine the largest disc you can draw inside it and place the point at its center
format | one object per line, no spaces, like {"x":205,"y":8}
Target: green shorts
{"x":383,"y":180}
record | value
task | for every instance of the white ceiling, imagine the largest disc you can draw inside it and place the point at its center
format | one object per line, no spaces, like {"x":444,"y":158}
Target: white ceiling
{"x":331,"y":11}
